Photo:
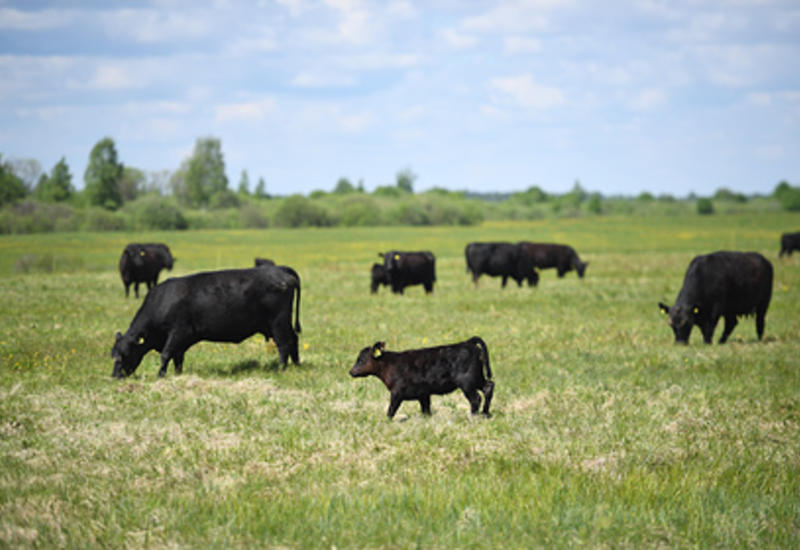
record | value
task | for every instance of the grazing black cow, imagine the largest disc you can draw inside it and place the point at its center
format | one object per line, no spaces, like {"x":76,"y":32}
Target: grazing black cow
{"x":500,"y":259}
{"x":142,"y":263}
{"x":378,"y":277}
{"x":722,"y":284}
{"x":789,"y":242}
{"x":409,"y":268}
{"x":561,"y":256}
{"x":218,"y":306}
{"x":417,"y":374}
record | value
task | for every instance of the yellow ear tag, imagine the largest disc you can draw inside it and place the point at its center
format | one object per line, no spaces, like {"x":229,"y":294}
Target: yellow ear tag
{"x":141,"y":253}
{"x":140,"y":340}
{"x":696,"y":311}
{"x":376,"y":353}
{"x":397,"y":256}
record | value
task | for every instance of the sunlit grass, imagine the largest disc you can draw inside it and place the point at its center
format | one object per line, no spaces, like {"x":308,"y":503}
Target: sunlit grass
{"x":603,"y":432}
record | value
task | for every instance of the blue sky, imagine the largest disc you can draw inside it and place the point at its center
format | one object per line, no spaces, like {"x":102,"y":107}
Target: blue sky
{"x":673,"y":96}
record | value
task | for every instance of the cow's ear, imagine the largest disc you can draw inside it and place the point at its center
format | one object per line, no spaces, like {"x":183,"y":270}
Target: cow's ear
{"x":117,"y":337}
{"x":663,"y":307}
{"x":377,"y":349}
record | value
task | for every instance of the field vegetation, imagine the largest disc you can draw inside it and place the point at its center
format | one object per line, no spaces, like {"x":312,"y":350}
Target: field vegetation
{"x":604,"y":433}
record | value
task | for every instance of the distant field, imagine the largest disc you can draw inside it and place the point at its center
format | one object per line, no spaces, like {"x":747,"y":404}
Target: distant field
{"x":604,"y":433}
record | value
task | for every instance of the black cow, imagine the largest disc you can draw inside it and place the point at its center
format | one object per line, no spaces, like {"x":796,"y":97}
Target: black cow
{"x":417,"y":374}
{"x":722,"y":284}
{"x":142,"y":263}
{"x":378,"y":277}
{"x":500,"y":259}
{"x":561,"y":256}
{"x":219,"y":306}
{"x":409,"y":268}
{"x":789,"y":242}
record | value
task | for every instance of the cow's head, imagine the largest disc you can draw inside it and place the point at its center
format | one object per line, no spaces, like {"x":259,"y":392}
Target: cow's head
{"x":368,"y":360}
{"x":378,"y":277}
{"x":581,"y":268}
{"x":127,"y":354}
{"x":681,"y":318}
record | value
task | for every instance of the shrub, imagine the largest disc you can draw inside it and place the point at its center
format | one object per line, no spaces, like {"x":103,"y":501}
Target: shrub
{"x":361,"y":211}
{"x":35,"y":217}
{"x":705,"y":206}
{"x":99,"y":219}
{"x":788,"y":196}
{"x":156,"y":212}
{"x":298,"y":211}
{"x":252,"y":217}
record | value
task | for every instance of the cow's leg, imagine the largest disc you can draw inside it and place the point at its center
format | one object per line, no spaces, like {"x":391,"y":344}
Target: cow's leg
{"x":760,"y":313}
{"x":165,"y":357}
{"x":505,"y":280}
{"x":425,"y":403}
{"x":475,"y":278}
{"x":428,"y":287}
{"x":394,"y":404}
{"x":730,"y":322}
{"x":488,"y":391}
{"x":173,"y":349}
{"x":707,"y":328}
{"x":474,"y":399}
{"x":136,"y":288}
{"x":177,"y":360}
{"x":286,"y":340}
{"x":127,"y":290}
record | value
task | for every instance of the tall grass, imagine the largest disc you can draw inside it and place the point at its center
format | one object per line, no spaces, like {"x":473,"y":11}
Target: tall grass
{"x":604,"y":433}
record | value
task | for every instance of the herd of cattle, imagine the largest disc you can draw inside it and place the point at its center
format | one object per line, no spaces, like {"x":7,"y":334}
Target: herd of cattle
{"x":232,"y":305}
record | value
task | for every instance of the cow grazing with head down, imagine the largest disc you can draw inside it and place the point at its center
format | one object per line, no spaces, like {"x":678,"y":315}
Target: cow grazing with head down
{"x":722,"y":284}
{"x":378,"y":278}
{"x":217,"y":306}
{"x":142,"y":263}
{"x":409,"y":268}
{"x":789,"y":242}
{"x":500,"y":259}
{"x":415,"y":375}
{"x":560,"y":256}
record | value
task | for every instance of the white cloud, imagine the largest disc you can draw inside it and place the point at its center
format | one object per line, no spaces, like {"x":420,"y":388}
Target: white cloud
{"x":402,"y":10}
{"x":112,"y":77}
{"x":458,"y":40}
{"x":13,"y":19}
{"x":521,"y":44}
{"x":322,"y":79}
{"x":524,"y":91}
{"x":647,"y":99}
{"x":513,"y":17}
{"x":245,"y":110}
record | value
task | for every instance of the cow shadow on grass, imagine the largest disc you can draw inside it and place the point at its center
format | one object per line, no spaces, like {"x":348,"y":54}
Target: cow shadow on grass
{"x":252,"y":366}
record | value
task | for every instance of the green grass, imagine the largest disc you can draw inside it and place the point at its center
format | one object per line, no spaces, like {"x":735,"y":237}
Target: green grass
{"x":604,"y":433}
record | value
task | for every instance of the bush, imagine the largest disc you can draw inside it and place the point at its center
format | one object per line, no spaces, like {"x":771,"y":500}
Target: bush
{"x":788,"y":196}
{"x":35,"y":217}
{"x":224,"y":199}
{"x":99,"y":219}
{"x":156,"y":212}
{"x":298,"y":211}
{"x":705,"y":206}
{"x":252,"y":217}
{"x":361,"y":211}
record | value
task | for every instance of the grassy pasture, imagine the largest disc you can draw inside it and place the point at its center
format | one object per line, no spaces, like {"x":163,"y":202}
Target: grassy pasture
{"x":604,"y":433}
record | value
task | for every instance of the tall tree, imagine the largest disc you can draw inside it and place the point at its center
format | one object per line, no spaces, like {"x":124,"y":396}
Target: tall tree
{"x":103,"y":174}
{"x":244,"y":183}
{"x":205,"y":174}
{"x":56,"y":188}
{"x":261,"y":189}
{"x":405,"y":180}
{"x":132,"y":183}
{"x":12,"y":188}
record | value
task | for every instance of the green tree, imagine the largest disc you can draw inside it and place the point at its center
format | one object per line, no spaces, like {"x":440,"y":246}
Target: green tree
{"x":12,"y":188}
{"x":705,"y":206}
{"x":261,"y":189}
{"x":343,"y":187}
{"x":132,"y":183}
{"x":103,"y":174}
{"x":405,"y":180}
{"x":244,"y":183}
{"x":205,"y":174}
{"x":56,"y":188}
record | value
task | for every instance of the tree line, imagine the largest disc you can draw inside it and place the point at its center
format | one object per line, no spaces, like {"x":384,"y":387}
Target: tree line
{"x":197,"y":195}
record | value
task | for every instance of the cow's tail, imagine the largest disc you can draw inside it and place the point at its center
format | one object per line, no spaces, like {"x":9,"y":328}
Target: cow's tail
{"x":476,"y":340}
{"x":297,"y":328}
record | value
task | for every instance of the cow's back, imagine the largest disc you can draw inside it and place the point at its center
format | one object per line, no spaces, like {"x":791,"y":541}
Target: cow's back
{"x":738,"y":282}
